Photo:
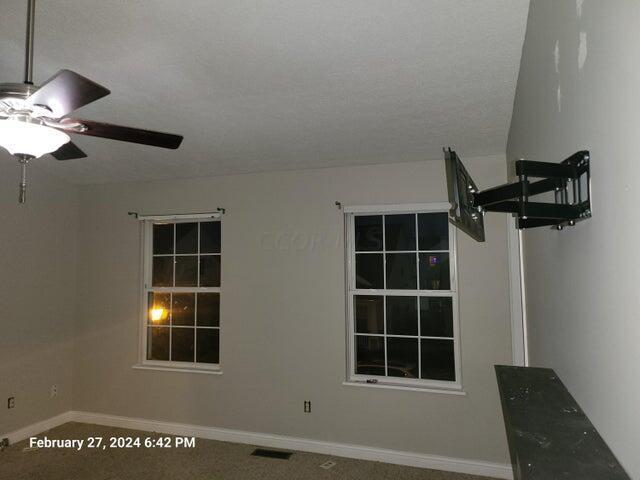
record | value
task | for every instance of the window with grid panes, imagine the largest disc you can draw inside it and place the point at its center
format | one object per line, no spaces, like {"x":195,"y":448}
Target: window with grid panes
{"x":182,"y":293}
{"x":402,"y":315}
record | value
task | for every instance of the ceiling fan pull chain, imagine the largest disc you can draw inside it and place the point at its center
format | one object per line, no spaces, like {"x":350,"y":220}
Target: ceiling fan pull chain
{"x":24,"y":161}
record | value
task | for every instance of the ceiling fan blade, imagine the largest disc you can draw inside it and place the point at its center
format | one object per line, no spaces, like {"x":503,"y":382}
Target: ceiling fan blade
{"x":125,"y":134}
{"x":67,"y":91}
{"x":68,"y":151}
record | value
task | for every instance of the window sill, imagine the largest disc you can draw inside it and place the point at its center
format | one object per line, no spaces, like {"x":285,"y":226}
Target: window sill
{"x":410,"y":388}
{"x":207,"y":371}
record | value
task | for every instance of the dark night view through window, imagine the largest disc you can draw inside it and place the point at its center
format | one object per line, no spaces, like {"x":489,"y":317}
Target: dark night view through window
{"x":402,"y":320}
{"x":182,"y":291}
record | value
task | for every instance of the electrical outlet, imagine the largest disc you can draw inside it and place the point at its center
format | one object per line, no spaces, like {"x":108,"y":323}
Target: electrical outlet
{"x":11,"y":402}
{"x":54,"y":391}
{"x":307,"y":406}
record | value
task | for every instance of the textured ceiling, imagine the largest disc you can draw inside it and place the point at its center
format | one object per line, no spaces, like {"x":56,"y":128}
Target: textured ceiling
{"x":281,"y":84}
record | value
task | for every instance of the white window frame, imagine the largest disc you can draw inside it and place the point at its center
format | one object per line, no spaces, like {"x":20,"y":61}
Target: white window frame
{"x":146,"y":287}
{"x":396,"y":382}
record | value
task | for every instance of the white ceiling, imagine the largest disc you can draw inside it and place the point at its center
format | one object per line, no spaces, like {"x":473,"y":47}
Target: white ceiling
{"x":279,"y":84}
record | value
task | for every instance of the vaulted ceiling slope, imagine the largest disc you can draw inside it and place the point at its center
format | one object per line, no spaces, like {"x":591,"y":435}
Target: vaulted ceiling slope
{"x":277,"y":84}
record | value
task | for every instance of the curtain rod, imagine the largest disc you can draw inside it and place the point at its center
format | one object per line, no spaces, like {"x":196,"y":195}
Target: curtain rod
{"x":219,"y":211}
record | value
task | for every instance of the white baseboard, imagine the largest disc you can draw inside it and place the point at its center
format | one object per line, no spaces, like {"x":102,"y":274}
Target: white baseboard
{"x":420,"y":460}
{"x":37,"y":428}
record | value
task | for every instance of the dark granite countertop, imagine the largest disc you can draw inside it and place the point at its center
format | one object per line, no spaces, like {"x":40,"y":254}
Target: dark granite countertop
{"x":549,"y":435}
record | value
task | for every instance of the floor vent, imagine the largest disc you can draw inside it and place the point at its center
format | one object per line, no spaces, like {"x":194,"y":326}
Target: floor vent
{"x":261,"y":452}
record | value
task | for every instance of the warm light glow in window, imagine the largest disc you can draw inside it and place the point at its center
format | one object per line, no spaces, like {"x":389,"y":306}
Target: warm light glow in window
{"x":158,"y":314}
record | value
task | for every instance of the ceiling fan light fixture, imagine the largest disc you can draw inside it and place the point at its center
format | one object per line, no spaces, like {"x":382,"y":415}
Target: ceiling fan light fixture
{"x":25,"y":138}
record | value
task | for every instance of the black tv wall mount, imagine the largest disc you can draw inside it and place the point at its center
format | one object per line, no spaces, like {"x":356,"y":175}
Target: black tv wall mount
{"x":568,"y":184}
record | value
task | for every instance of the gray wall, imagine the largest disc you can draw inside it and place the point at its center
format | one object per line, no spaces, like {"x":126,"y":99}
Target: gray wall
{"x":283,"y":320}
{"x":37,"y":295}
{"x":581,"y":283}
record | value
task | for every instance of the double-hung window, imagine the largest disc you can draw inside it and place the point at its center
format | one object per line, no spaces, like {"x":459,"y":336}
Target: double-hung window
{"x":181,"y":314}
{"x":402,"y":298}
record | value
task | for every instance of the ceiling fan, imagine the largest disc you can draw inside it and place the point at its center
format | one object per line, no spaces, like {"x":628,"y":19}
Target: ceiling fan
{"x":34,"y":120}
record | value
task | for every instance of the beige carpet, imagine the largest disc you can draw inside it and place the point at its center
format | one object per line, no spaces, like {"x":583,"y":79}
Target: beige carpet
{"x":209,"y":460}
